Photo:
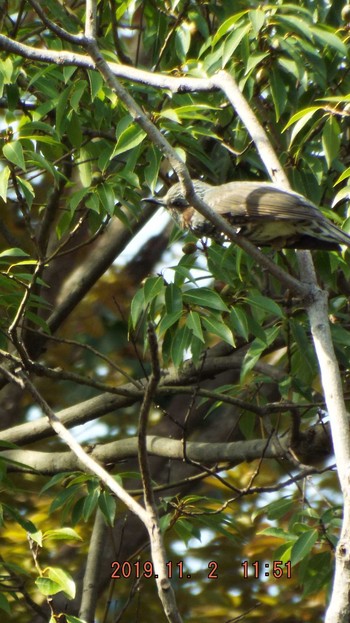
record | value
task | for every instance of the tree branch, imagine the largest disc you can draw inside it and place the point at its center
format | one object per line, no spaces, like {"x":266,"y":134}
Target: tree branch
{"x":93,"y":408}
{"x":207,"y":453}
{"x":92,"y":571}
{"x":165,"y":590}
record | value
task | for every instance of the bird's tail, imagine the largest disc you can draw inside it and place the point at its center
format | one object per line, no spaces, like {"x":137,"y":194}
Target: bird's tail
{"x":334,"y":234}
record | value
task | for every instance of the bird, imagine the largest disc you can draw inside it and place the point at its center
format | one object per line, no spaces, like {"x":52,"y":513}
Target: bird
{"x":262,"y":212}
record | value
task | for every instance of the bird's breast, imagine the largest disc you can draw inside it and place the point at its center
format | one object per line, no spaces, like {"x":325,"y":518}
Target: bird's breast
{"x":184,"y":218}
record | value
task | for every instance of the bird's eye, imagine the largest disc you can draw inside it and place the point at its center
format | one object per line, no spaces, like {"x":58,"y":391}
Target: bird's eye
{"x":180,"y":202}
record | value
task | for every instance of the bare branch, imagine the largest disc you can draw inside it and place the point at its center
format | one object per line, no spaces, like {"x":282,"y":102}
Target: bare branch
{"x":226,"y":83}
{"x":63,"y":57}
{"x":60,"y":32}
{"x":92,"y":571}
{"x":90,"y":20}
{"x":204,"y":453}
{"x":165,"y":589}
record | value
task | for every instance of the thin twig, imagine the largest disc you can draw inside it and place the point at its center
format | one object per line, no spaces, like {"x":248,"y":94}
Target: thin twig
{"x":90,"y":464}
{"x":150,"y":392}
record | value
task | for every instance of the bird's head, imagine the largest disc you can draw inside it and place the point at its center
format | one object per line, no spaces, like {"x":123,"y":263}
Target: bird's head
{"x":175,"y":201}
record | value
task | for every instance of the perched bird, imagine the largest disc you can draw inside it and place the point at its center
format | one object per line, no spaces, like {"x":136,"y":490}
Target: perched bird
{"x":261,"y":212}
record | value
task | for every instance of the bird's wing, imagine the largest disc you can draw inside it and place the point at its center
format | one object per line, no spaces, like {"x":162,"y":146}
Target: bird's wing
{"x":260,"y":200}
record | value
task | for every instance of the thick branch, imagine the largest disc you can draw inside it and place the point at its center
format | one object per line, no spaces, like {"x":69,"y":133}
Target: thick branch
{"x":206,"y":453}
{"x":94,"y":562}
{"x":93,"y":408}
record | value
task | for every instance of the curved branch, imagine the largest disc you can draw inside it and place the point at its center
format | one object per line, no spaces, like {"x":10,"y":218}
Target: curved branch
{"x":63,"y":57}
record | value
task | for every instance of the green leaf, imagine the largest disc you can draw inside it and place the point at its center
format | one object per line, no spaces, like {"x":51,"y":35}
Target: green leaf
{"x":318,"y":572}
{"x":74,"y":131}
{"x":238,"y":320}
{"x":256,"y":349}
{"x":279,"y":508}
{"x":257,"y":18}
{"x":14,"y":252}
{"x":263,"y":302}
{"x":170,"y":113}
{"x":6,"y":68}
{"x":254,"y":60}
{"x":295,"y":24}
{"x":173,"y":298}
{"x":343,"y":176}
{"x":330,"y":39}
{"x":37,"y":537}
{"x":4,"y":180}
{"x":26,"y":524}
{"x":227,"y":25}
{"x":96,"y":83}
{"x":64,"y":497}
{"x":62,"y":534}
{"x":128,"y":139}
{"x":217,"y":327}
{"x":153,"y":157}
{"x":154,"y":286}
{"x":137,"y":307}
{"x":168,"y":321}
{"x":85,"y":169}
{"x":78,"y":90}
{"x":232,"y":42}
{"x":63,"y":579}
{"x":205,"y":297}
{"x":14,"y":153}
{"x":344,"y":193}
{"x":39,"y":161}
{"x":93,"y":203}
{"x":38,"y":320}
{"x":90,"y":502}
{"x":47,"y":586}
{"x":180,"y":343}
{"x":304,"y":115}
{"x":57,"y":479}
{"x":331,"y":140}
{"x":106,"y":197}
{"x":186,"y":530}
{"x":279,"y":533}
{"x":27,"y":190}
{"x":182,"y":40}
{"x":108,"y":506}
{"x":62,"y":110}
{"x":192,"y":111}
{"x":4,"y":604}
{"x":77,"y":510}
{"x":194,"y":323}
{"x":303,"y":546}
{"x":77,"y":197}
{"x":279,"y":93}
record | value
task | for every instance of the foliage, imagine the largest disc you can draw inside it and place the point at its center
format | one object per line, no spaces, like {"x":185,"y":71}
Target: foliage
{"x":74,"y":165}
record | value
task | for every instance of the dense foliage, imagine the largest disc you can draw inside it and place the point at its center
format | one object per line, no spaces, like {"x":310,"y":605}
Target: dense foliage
{"x":240,"y":390}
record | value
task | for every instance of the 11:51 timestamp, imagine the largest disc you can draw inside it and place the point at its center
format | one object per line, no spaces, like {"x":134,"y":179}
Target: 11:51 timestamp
{"x":276,"y":569}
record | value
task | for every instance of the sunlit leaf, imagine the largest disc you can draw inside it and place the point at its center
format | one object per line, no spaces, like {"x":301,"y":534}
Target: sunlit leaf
{"x":14,"y":153}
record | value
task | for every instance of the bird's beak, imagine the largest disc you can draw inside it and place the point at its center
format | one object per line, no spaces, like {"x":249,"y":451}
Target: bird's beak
{"x":155,"y":200}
